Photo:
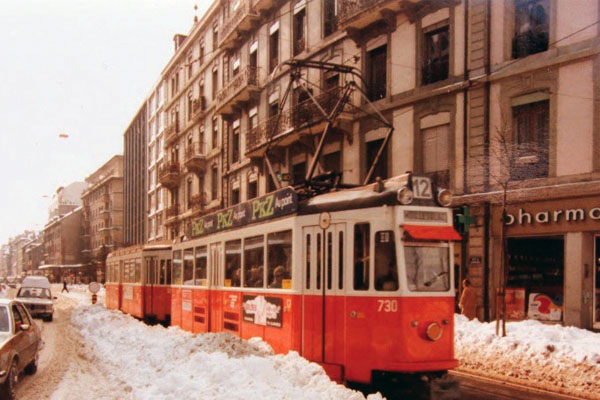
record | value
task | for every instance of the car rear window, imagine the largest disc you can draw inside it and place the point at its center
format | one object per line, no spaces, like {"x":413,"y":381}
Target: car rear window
{"x":4,"y":325}
{"x":38,"y":293}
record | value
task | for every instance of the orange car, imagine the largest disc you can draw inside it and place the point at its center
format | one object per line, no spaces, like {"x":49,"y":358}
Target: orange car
{"x":20,"y":344}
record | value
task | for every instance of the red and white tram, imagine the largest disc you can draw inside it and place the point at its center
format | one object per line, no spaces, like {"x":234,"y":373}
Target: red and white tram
{"x":139,"y":281}
{"x":358,"y":280}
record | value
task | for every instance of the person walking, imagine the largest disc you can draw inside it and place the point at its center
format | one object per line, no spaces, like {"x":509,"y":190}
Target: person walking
{"x":468,"y":301}
{"x":64,"y":286}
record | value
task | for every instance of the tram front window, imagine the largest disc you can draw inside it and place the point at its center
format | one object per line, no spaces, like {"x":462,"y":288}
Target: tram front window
{"x":427,"y":267}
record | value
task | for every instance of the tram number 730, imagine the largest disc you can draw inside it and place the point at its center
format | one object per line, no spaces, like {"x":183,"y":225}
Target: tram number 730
{"x":387,"y":305}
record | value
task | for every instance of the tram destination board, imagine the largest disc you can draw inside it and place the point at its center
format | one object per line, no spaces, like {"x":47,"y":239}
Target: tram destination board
{"x":277,"y":204}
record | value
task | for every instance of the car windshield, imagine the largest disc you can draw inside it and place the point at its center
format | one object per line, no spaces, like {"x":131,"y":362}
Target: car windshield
{"x":427,"y":268}
{"x":4,"y":325}
{"x":38,"y":293}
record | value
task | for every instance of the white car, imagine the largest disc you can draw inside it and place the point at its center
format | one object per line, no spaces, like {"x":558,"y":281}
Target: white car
{"x":35,"y":294}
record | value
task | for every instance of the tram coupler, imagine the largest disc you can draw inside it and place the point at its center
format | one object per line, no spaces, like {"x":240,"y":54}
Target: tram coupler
{"x":416,"y":386}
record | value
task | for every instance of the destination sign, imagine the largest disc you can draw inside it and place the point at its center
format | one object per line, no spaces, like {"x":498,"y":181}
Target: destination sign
{"x":273,"y":205}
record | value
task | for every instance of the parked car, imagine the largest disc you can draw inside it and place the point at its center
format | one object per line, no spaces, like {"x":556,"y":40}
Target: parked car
{"x":20,"y":344}
{"x":36,"y":295}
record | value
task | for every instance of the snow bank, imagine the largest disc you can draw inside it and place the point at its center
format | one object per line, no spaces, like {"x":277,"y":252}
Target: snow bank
{"x":169,"y":363}
{"x":550,"y":356}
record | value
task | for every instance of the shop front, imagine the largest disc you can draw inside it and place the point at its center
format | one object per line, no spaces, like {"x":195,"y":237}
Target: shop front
{"x":552,"y":254}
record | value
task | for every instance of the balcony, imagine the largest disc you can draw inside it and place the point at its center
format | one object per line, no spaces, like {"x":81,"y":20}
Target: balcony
{"x":239,"y":90}
{"x":168,"y":175}
{"x":198,"y":108}
{"x":172,"y":211}
{"x":242,"y":20}
{"x":171,"y":132}
{"x":198,"y":203}
{"x":304,"y":118}
{"x":195,"y":158}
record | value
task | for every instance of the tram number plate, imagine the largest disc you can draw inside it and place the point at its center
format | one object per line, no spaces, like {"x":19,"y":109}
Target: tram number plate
{"x":422,"y":187}
{"x":387,"y":305}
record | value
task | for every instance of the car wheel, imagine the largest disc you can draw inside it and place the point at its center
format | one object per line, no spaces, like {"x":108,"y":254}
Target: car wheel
{"x":32,"y":367}
{"x":8,"y":390}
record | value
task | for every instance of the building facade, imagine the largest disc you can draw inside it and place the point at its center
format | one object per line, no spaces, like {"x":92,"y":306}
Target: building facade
{"x":66,"y":199}
{"x":102,"y":224}
{"x":134,"y":185}
{"x":63,"y":244}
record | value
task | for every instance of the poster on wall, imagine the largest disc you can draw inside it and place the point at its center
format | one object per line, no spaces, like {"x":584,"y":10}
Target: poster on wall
{"x":541,"y":307}
{"x":261,"y":310}
{"x":515,"y":303}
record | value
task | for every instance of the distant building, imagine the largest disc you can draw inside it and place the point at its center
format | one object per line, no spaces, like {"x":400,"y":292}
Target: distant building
{"x":33,"y":255}
{"x":62,"y":244}
{"x":134,"y":164}
{"x":66,"y":199}
{"x":102,"y":217}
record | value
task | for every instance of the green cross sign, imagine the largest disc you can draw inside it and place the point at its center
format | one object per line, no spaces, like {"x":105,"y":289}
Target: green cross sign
{"x":465,"y":219}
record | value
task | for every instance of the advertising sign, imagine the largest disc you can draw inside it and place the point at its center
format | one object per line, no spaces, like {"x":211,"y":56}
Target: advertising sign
{"x":261,"y":310}
{"x":273,"y":205}
{"x":541,"y":307}
{"x":515,"y":303}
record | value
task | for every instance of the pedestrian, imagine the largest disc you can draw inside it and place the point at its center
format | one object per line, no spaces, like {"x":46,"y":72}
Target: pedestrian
{"x":468,"y":302}
{"x":64,"y":286}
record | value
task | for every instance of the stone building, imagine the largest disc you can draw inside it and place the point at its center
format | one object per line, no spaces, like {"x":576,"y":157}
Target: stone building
{"x":238,"y":112}
{"x":102,"y":224}
{"x":63,"y":244}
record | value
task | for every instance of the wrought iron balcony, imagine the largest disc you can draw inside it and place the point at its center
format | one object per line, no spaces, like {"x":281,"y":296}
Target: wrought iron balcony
{"x":239,"y":90}
{"x":242,"y":20}
{"x":171,"y":132}
{"x":168,"y":174}
{"x":264,"y":6}
{"x":195,"y":158}
{"x":198,"y":108}
{"x":198,"y":202}
{"x":303,"y":118}
{"x":172,"y":211}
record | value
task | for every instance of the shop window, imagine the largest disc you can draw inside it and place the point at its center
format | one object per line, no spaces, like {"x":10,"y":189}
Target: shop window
{"x":362,"y":251}
{"x":536,"y":270}
{"x":532,"y":27}
{"x":298,"y":31}
{"x":434,"y":142}
{"x":233,"y":263}
{"x":436,"y":57}
{"x":386,"y":269}
{"x":279,"y":259}
{"x":427,"y":267}
{"x":254,"y":261}
{"x":200,"y":267}
{"x":188,"y":266}
{"x":177,"y":266}
{"x":377,"y":73}
{"x":529,"y":157}
{"x":381,"y":168}
{"x":329,"y":16}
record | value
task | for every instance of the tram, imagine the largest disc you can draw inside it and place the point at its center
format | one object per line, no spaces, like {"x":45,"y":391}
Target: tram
{"x":357,"y":280}
{"x":138,"y":281}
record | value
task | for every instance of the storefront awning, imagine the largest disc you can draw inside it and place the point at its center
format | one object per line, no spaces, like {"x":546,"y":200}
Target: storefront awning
{"x":428,"y":232}
{"x":48,"y":266}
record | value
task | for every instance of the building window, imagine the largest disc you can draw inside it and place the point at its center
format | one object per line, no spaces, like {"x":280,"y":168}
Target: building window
{"x":215,"y":37}
{"x":273,"y":50}
{"x":377,"y":73}
{"x":381,"y":168}
{"x":532,"y":27}
{"x":436,"y":57}
{"x":298,"y":173}
{"x":190,"y":106}
{"x":330,"y":16}
{"x":235,"y":144}
{"x":189,"y":193}
{"x":215,"y":83}
{"x":529,"y":160}
{"x":214,"y":182}
{"x":435,"y":145}
{"x":332,"y":162}
{"x":252,"y":190}
{"x":215,"y":133}
{"x":201,"y":53}
{"x":298,"y":31}
{"x":235,"y":196}
{"x":189,"y":66}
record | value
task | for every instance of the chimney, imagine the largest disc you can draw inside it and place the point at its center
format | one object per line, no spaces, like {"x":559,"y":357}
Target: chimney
{"x":178,"y":39}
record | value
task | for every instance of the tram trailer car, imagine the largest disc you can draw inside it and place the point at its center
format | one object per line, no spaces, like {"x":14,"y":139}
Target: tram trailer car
{"x":358,"y":280}
{"x":139,"y":282}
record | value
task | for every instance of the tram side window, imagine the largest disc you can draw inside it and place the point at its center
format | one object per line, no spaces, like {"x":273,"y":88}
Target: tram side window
{"x":254,"y":261}
{"x":177,"y":264}
{"x":188,"y":266}
{"x":200,"y":268}
{"x":233,"y":262}
{"x":386,"y":268}
{"x":279,"y":253}
{"x":361,"y":256}
{"x":308,"y":261}
{"x":168,"y":282}
{"x":162,"y":273}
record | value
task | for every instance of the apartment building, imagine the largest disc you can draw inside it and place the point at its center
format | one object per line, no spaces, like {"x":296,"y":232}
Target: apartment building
{"x":66,"y":199}
{"x":482,"y":96}
{"x":62,"y":242}
{"x":102,"y":223}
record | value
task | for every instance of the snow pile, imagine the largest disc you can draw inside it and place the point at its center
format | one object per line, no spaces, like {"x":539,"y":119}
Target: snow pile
{"x":560,"y":358}
{"x":169,"y":363}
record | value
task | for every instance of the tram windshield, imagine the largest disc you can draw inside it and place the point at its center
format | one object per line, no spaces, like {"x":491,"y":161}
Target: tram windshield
{"x":427,"y":267}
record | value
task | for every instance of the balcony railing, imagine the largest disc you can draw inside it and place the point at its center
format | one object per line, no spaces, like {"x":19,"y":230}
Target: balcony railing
{"x":168,"y":174}
{"x":297,"y":119}
{"x":238,"y":89}
{"x":360,"y":13}
{"x":195,"y":158}
{"x":241,"y":20}
{"x":198,"y":107}
{"x":172,"y":211}
{"x":265,"y":5}
{"x":198,"y":202}
{"x":171,"y":132}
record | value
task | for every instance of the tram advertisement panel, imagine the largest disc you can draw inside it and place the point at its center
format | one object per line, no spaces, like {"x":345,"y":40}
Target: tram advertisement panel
{"x":262,"y":310}
{"x":276,"y":204}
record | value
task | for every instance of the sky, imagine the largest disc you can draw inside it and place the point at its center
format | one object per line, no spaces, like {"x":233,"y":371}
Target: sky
{"x":76,"y":68}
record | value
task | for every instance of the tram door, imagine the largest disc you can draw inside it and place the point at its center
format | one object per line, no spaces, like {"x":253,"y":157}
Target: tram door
{"x":215,"y":280}
{"x":323,"y":302}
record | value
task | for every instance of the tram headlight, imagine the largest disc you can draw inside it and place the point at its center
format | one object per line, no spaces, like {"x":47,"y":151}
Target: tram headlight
{"x":405,"y":195}
{"x":434,"y":331}
{"x":444,"y":197}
